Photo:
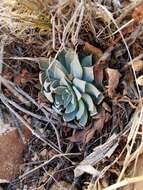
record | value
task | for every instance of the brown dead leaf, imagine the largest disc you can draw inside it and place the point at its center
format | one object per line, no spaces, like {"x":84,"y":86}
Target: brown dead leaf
{"x":113,"y":81}
{"x":11,"y":150}
{"x":138,"y":65}
{"x":101,"y":119}
{"x":83,"y":136}
{"x":98,"y":74}
{"x":62,"y":185}
{"x":140,"y":80}
{"x":137,"y":14}
{"x":92,"y":50}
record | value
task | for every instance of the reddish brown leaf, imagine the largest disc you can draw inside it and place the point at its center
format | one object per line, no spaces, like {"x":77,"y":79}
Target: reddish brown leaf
{"x":98,"y":74}
{"x":101,"y":119}
{"x":113,"y":81}
{"x":92,"y":50}
{"x":83,"y":136}
{"x":25,"y":77}
{"x":11,"y":150}
{"x":137,"y":14}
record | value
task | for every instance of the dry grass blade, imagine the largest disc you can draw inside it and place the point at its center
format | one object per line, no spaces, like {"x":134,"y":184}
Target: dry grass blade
{"x":125,"y":182}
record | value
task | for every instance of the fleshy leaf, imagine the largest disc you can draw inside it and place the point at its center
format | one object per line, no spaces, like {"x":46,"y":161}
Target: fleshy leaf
{"x":68,"y":59}
{"x":59,"y":90}
{"x":78,"y":94}
{"x":70,"y":108}
{"x":46,"y":84}
{"x":64,"y":81}
{"x":90,"y":104}
{"x":81,"y":109}
{"x":43,"y":63}
{"x":88,"y":74}
{"x":60,"y":66}
{"x":80,"y":84}
{"x":58,"y":100}
{"x":84,"y":118}
{"x":67,"y":97}
{"x":76,"y":68}
{"x":61,"y":59}
{"x":54,"y":73}
{"x":54,"y":85}
{"x":42,"y":77}
{"x":92,"y":90}
{"x":69,"y":116}
{"x":73,"y":64}
{"x":87,"y":61}
{"x":49,"y":96}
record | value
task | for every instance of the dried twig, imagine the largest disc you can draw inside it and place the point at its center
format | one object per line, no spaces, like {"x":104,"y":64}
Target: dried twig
{"x":47,"y":162}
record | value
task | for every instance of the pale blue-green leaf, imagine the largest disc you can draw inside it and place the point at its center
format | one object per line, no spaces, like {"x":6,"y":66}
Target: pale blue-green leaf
{"x":49,"y":96}
{"x":54,"y":85}
{"x":68,"y":59}
{"x":43,"y":63}
{"x":74,"y":99}
{"x":99,"y":99}
{"x":67,"y":97}
{"x":54,"y":73}
{"x":91,"y":89}
{"x":84,"y":118}
{"x":64,"y":81}
{"x":87,"y":61}
{"x":90,"y":104}
{"x":78,"y":94}
{"x":46,"y":84}
{"x":57,"y":109}
{"x":58,"y":100}
{"x":61,"y":66}
{"x":80,"y":110}
{"x":79,"y":84}
{"x":88,"y":74}
{"x":70,"y":108}
{"x":75,"y":67}
{"x":67,"y":101}
{"x":59,"y":90}
{"x":69,"y":116}
{"x":42,"y":77}
{"x":62,"y":60}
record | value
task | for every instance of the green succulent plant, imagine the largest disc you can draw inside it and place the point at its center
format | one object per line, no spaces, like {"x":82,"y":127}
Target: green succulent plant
{"x":68,"y":83}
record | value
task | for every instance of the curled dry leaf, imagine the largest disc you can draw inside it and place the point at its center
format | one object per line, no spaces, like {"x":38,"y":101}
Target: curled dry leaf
{"x":101,"y":119}
{"x":138,"y":65}
{"x":113,"y":81}
{"x":92,"y":50}
{"x":140,"y":80}
{"x":83,"y":136}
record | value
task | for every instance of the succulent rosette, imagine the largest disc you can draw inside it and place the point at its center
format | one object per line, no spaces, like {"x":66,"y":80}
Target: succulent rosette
{"x":68,"y":84}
